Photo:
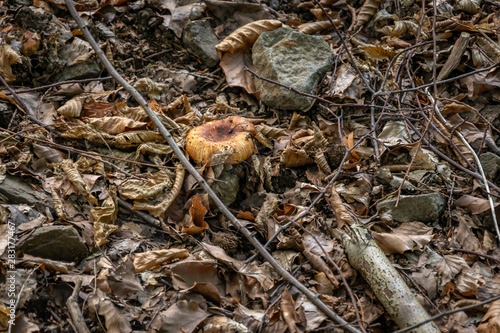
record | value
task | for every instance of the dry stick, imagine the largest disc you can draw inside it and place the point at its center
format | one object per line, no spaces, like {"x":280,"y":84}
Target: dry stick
{"x":61,"y":83}
{"x":146,"y":217}
{"x":449,"y":160}
{"x":441,"y":82}
{"x":450,"y":141}
{"x":180,"y":155}
{"x":465,"y":308}
{"x":493,"y":147}
{"x":74,"y":309}
{"x":479,"y":166}
{"x":83,"y":153}
{"x":349,"y":54}
{"x":479,"y":254}
{"x":472,"y":173}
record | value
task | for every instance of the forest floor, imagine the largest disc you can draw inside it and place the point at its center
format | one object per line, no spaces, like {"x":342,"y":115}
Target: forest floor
{"x":393,"y":155}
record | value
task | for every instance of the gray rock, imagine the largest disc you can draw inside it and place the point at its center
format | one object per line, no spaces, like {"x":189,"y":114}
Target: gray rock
{"x":423,"y":208}
{"x":491,"y":164}
{"x":291,"y":58}
{"x":55,"y":242}
{"x":227,"y":187}
{"x":199,"y":39}
{"x":384,"y":176}
{"x":18,"y":191}
{"x":84,"y":70}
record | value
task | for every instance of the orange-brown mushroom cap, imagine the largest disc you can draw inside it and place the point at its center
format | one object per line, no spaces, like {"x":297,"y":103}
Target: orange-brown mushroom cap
{"x":204,"y":141}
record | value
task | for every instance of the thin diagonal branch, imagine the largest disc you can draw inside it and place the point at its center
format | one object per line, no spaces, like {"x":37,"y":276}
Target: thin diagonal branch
{"x":180,"y":155}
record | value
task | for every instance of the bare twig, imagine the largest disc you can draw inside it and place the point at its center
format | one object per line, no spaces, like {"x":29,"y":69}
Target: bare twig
{"x":177,"y":151}
{"x":479,"y":254}
{"x":60,"y":84}
{"x":74,"y":309}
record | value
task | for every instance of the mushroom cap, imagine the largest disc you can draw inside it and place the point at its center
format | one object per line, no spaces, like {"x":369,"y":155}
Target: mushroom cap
{"x":204,"y":141}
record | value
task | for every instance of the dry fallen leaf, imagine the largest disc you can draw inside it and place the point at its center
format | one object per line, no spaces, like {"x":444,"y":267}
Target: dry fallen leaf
{"x":146,"y":260}
{"x":242,"y":39}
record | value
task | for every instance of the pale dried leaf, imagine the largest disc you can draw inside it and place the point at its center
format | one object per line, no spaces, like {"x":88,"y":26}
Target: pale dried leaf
{"x":313,"y":27}
{"x":234,"y":65}
{"x":108,"y":211}
{"x":116,"y":125}
{"x":76,"y":179}
{"x":321,"y":266}
{"x":140,"y":189}
{"x":469,"y":6}
{"x":72,"y":108}
{"x":378,"y":52}
{"x":8,"y":57}
{"x":243,"y":38}
{"x":102,"y":232}
{"x":475,"y":205}
{"x":115,"y":321}
{"x":289,"y":314}
{"x":450,"y":266}
{"x":394,"y":243}
{"x":146,"y":260}
{"x":183,"y":316}
{"x":400,"y":28}
{"x":491,"y":320}
{"x":134,"y":138}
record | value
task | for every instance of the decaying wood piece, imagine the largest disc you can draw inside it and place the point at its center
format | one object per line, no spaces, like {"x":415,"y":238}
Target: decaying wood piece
{"x":368,"y":259}
{"x":455,"y":57}
{"x":74,"y":309}
{"x":398,"y":300}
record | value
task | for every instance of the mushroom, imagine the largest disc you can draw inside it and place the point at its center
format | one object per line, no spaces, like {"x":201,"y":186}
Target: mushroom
{"x":204,"y":141}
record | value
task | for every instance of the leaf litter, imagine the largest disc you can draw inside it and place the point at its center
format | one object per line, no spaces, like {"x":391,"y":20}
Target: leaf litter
{"x":163,"y":257}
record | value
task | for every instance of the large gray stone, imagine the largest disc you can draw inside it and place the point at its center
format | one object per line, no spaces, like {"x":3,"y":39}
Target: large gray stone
{"x":55,"y":242}
{"x":19,"y":191}
{"x":423,"y":208}
{"x":293,"y":59}
{"x":199,"y":39}
{"x":491,"y":164}
{"x":80,"y":71}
